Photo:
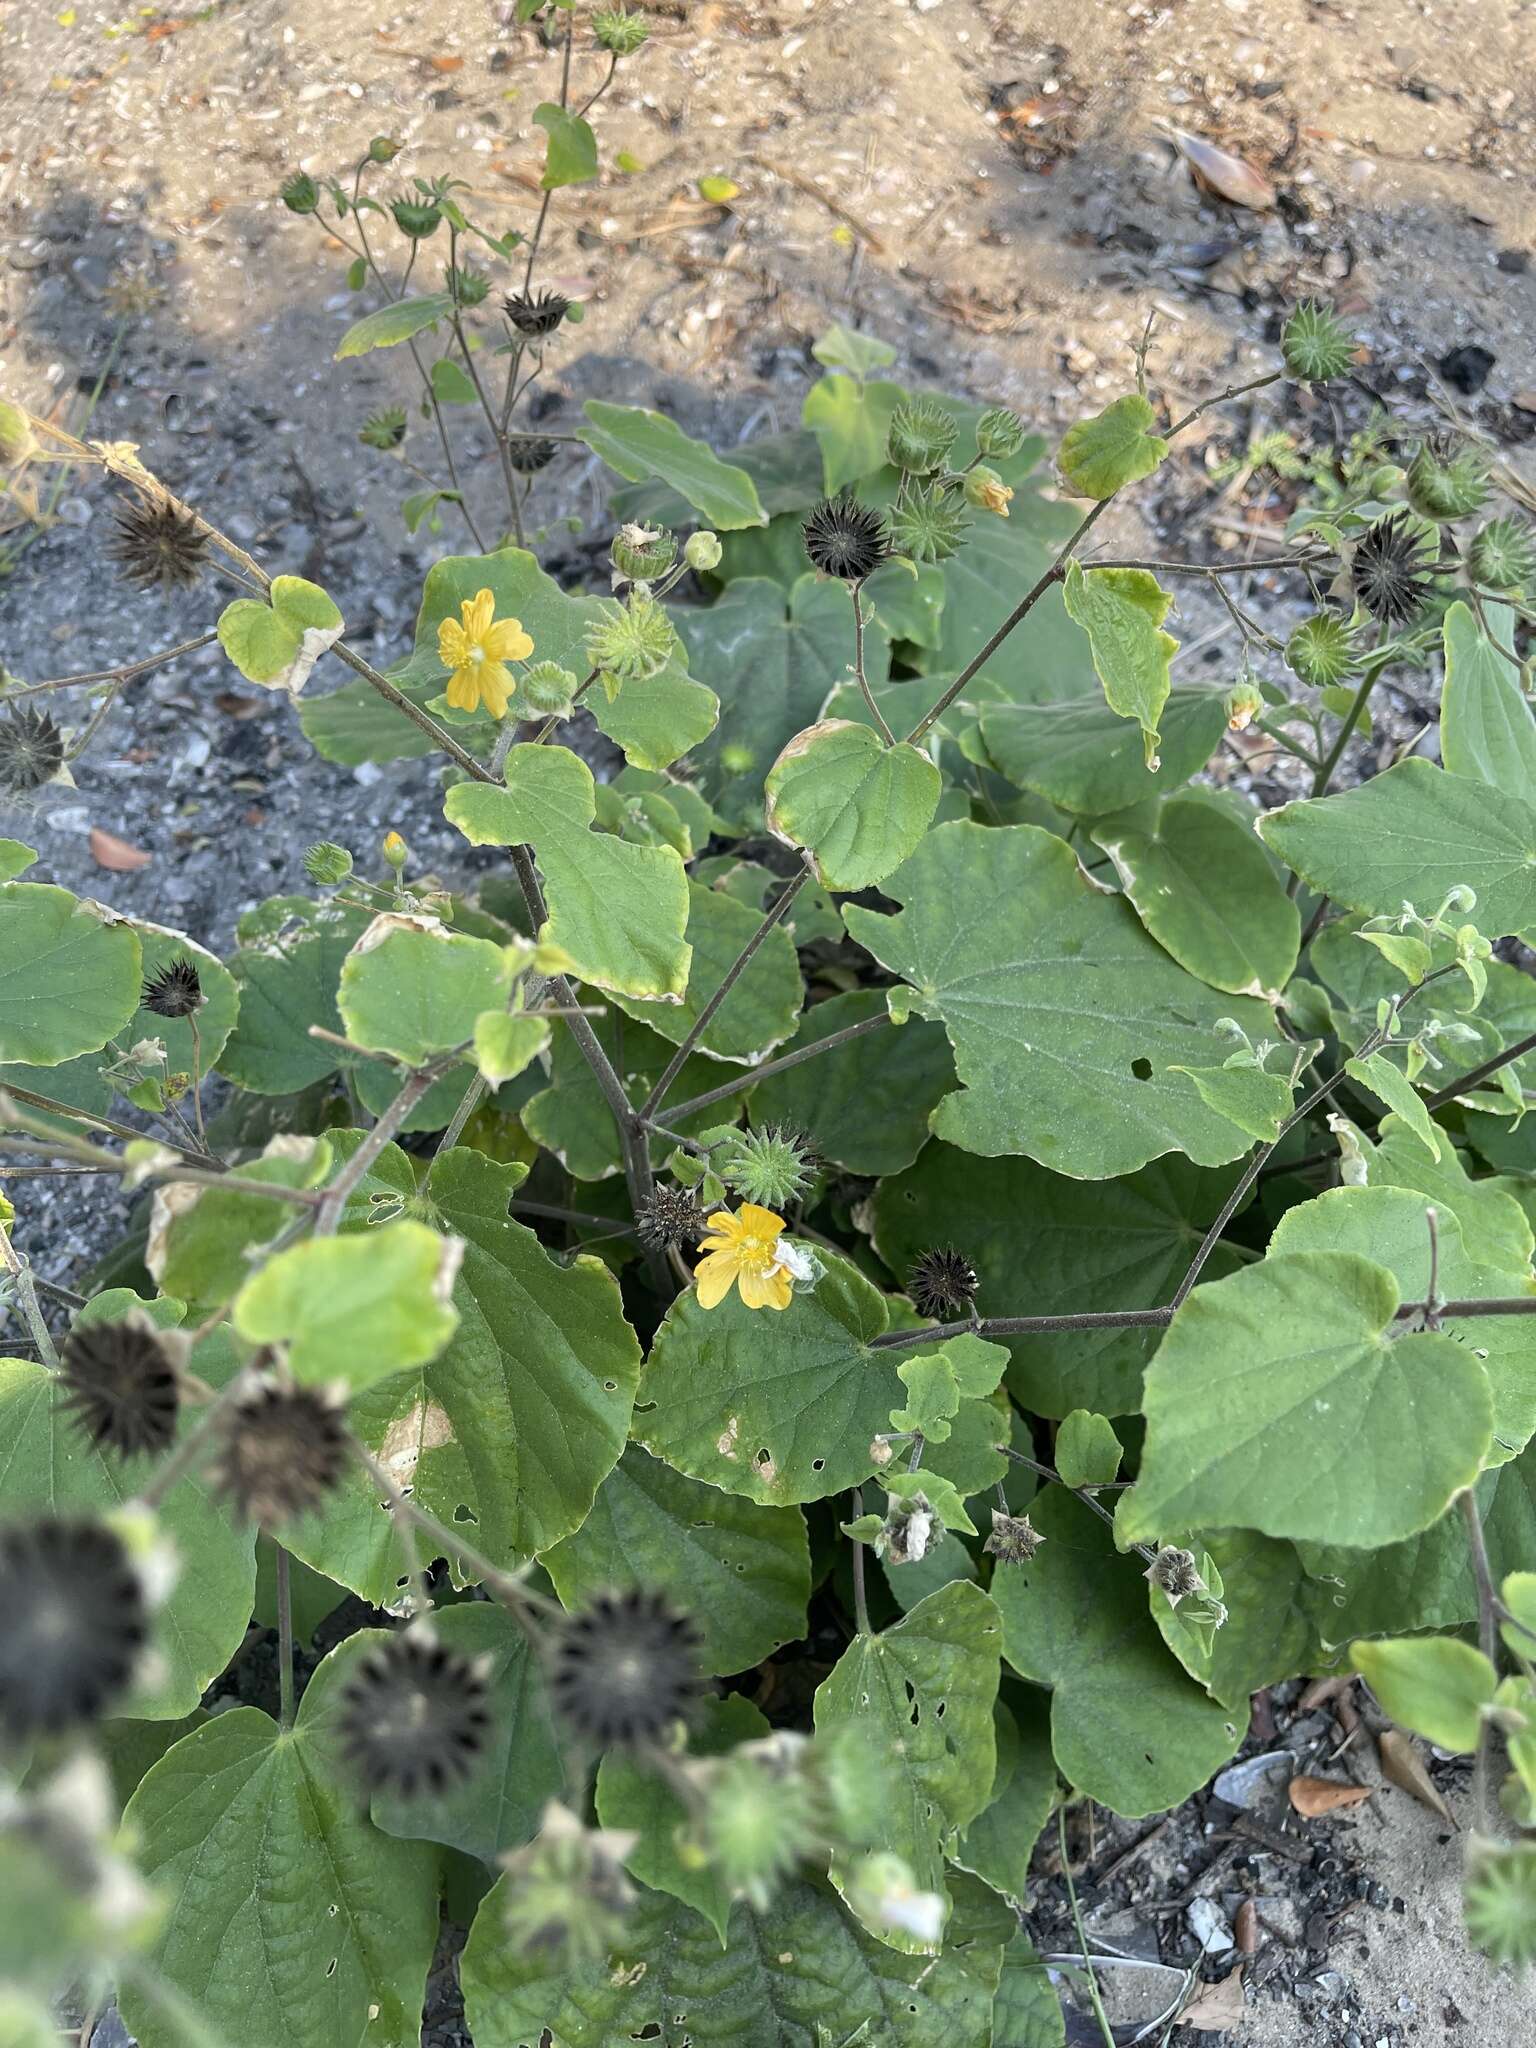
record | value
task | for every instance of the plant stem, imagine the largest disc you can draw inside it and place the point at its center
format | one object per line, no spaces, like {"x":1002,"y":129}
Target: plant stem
{"x":1159,"y":1319}
{"x":507,"y":1587}
{"x":473,"y":1096}
{"x":198,"y":1442}
{"x":197,"y":1080}
{"x":26,"y":1295}
{"x":856,"y":592}
{"x":1058,"y":568}
{"x":100,"y":1123}
{"x":860,"y":1601}
{"x":284,"y":1639}
{"x":1469,"y":1080}
{"x":1021,"y":611}
{"x":1025,"y":1326}
{"x":582,"y":1219}
{"x":1105,"y":2029}
{"x":752,"y":1075}
{"x":1345,"y":733}
{"x":1250,"y":1174}
{"x":701,"y":1023}
{"x":1482,"y":1572}
{"x":1220,"y":398}
{"x":122,"y":674}
{"x":334,"y":1200}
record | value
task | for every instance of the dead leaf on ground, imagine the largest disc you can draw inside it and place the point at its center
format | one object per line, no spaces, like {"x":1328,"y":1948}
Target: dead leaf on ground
{"x":1246,"y":1928}
{"x":1216,"y":2007}
{"x":116,"y":855}
{"x":1313,"y":1797}
{"x":1402,"y":1764}
{"x":446,"y":63}
{"x":1322,"y":1690}
{"x":1222,"y":173}
{"x":233,"y":705}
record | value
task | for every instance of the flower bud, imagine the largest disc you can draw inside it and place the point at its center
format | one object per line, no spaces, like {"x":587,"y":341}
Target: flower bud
{"x":547,"y":688}
{"x":325,"y":862}
{"x":416,"y":220}
{"x":395,"y":851}
{"x":999,"y":434}
{"x":702,"y":550}
{"x":1244,"y":702}
{"x":985,"y":489}
{"x":301,"y":194}
{"x":921,"y":436}
{"x":383,"y":149}
{"x":642,"y":553}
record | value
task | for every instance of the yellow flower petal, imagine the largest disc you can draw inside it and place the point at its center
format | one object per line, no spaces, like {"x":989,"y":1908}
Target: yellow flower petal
{"x":714,"y":1277}
{"x":463,"y":691}
{"x":506,"y":641}
{"x":772,"y":1289}
{"x":478,"y":612}
{"x":760,"y":1223}
{"x":496,"y":686}
{"x":452,"y":647}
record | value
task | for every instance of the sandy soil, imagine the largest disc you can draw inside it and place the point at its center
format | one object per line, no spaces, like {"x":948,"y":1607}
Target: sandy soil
{"x":989,"y":184}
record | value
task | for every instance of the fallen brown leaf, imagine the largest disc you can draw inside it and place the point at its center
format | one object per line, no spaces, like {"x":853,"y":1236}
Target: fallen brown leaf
{"x":1216,"y":2007}
{"x":1321,"y":1690}
{"x":1402,"y":1764}
{"x":447,"y":63}
{"x":233,"y":705}
{"x":1246,"y":1928}
{"x":1312,"y":1797}
{"x":116,"y":855}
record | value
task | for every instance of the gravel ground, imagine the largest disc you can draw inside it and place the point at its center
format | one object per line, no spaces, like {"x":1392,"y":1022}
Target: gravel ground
{"x":989,"y":184}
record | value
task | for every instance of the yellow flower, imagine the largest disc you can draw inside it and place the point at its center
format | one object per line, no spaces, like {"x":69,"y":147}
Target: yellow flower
{"x":742,"y":1250}
{"x":995,"y":497}
{"x":476,"y":647}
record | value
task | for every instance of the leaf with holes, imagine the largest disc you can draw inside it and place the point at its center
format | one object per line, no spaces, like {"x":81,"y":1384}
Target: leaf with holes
{"x":782,"y":1408}
{"x":919,"y":1697}
{"x":801,"y":1972}
{"x":1065,"y":1018}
